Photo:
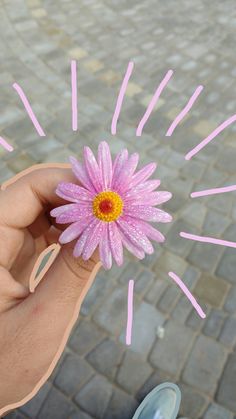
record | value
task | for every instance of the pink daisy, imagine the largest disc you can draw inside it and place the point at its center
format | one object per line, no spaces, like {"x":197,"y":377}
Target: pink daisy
{"x":111,"y":206}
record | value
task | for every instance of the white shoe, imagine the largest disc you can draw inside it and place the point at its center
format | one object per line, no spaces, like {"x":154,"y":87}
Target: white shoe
{"x":161,"y":403}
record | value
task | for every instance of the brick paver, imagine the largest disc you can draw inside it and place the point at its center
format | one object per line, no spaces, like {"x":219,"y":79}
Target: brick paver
{"x":99,"y":377}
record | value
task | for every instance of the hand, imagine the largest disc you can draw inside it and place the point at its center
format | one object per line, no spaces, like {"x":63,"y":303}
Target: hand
{"x":34,"y":326}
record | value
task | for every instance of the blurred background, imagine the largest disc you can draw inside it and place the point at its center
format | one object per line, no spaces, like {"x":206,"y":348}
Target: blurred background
{"x":98,"y":375}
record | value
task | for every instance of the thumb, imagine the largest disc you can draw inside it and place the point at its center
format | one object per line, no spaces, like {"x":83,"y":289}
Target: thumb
{"x":37,"y":329}
{"x":66,"y":282}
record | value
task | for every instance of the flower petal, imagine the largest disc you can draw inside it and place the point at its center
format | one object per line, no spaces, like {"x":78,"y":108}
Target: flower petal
{"x":63,"y":209}
{"x":94,"y":236}
{"x":122,"y":183}
{"x":131,"y":229}
{"x":75,"y":214}
{"x":104,"y":249}
{"x":115,"y":243}
{"x":151,"y":232}
{"x":72,"y":192}
{"x":105,"y":164}
{"x":92,"y":169}
{"x":153,"y":198}
{"x":74,"y":230}
{"x":136,"y":251}
{"x":147,"y":213}
{"x":118,"y":165}
{"x":148,"y":186}
{"x":80,"y":244}
{"x":80,"y":172}
{"x":142,"y":174}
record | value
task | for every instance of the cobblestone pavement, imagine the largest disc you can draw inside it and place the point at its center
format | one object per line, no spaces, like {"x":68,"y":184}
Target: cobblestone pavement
{"x":99,"y":376}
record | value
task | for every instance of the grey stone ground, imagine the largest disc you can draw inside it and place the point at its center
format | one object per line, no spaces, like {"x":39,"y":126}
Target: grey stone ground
{"x":99,"y":377}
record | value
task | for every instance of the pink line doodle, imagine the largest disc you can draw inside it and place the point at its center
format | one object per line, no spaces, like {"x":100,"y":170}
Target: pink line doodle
{"x":205,"y":239}
{"x":74,"y":95}
{"x":130,"y":312}
{"x":188,"y":294}
{"x":29,"y":110}
{"x":210,"y":137}
{"x":6,"y":145}
{"x":214,"y":191}
{"x":184,"y":111}
{"x":153,"y":102}
{"x":121,"y":97}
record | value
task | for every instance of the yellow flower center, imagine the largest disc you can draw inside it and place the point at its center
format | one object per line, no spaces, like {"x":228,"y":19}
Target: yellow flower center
{"x":107,"y":206}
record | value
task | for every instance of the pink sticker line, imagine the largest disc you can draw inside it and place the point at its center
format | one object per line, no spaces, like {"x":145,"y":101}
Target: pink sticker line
{"x":130,"y":312}
{"x":214,"y":191}
{"x":121,"y":97}
{"x":29,"y":110}
{"x":153,"y":102}
{"x":74,"y":95}
{"x":210,"y":137}
{"x":184,"y":112}
{"x":6,"y":145}
{"x":205,"y":239}
{"x":188,"y":294}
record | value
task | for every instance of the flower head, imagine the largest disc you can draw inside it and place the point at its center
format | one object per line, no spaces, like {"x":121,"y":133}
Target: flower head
{"x":111,"y":206}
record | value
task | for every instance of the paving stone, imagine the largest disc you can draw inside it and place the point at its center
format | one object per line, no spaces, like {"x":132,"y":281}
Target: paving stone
{"x":230,"y":303}
{"x":146,"y":321}
{"x":121,"y":405}
{"x":106,"y":357}
{"x":215,"y":411}
{"x":84,"y":337}
{"x":156,"y":291}
{"x":72,"y":375}
{"x":227,"y":159}
{"x":192,"y":402}
{"x":111,"y":316}
{"x":211,"y":290}
{"x":99,"y":390}
{"x":194,"y":214}
{"x":97,"y":294}
{"x":205,"y":365}
{"x":228,"y":334}
{"x":182,"y":310}
{"x":126,"y":378}
{"x":131,"y":271}
{"x":169,"y":299}
{"x":170,"y":262}
{"x":221,"y":203}
{"x":226,"y":390}
{"x":214,"y":323}
{"x":195,"y":321}
{"x":32,"y":407}
{"x":169,"y":353}
{"x":205,"y":256}
{"x":173,"y":240}
{"x":143,"y":281}
{"x":190,"y":276}
{"x":227,"y":266}
{"x":215,"y":223}
{"x":56,"y":405}
{"x":80,"y":414}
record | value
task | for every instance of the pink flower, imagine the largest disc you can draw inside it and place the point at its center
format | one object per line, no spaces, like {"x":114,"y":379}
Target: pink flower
{"x":111,"y":206}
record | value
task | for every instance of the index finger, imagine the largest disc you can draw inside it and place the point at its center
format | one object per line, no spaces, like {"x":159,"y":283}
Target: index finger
{"x":25,"y":196}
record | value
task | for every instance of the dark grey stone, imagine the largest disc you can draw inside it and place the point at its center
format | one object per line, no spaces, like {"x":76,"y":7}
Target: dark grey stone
{"x":106,"y":357}
{"x":95,"y":396}
{"x":56,"y":406}
{"x":73,"y":374}
{"x":170,"y":353}
{"x":133,"y":372}
{"x":205,"y":365}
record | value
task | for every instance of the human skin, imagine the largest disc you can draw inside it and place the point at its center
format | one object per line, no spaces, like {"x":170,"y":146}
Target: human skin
{"x":34,"y":327}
